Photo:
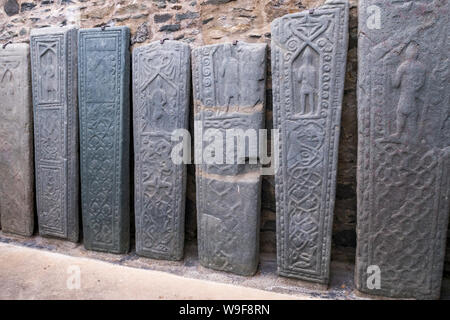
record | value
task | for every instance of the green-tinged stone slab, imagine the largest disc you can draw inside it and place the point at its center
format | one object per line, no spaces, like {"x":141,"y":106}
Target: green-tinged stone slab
{"x":104,"y":71}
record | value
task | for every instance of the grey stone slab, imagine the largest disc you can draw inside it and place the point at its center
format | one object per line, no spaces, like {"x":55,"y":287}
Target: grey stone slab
{"x":404,"y":147}
{"x":54,"y":80}
{"x":16,"y":141}
{"x":229,"y":93}
{"x":103,"y":83}
{"x":161,"y":98}
{"x":309,"y":52}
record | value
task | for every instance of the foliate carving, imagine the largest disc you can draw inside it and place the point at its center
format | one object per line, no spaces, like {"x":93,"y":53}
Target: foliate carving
{"x":229,"y":91}
{"x":161,"y":86}
{"x":404,"y":149}
{"x":309,"y":51}
{"x":104,"y":131}
{"x":16,"y":141}
{"x":54,"y":60}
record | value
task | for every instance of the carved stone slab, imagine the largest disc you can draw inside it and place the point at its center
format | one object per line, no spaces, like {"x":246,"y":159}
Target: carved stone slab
{"x":404,"y":147}
{"x":16,"y":141}
{"x":161,"y":96}
{"x":229,"y":92}
{"x":104,"y":72}
{"x":54,"y":75}
{"x":309,"y":52}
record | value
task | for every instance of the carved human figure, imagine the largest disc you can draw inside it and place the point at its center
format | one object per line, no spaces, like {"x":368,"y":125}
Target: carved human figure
{"x":306,"y":78}
{"x":409,"y":79}
{"x":48,"y":71}
{"x":158,"y":102}
{"x":229,"y":71}
{"x":251,"y":62}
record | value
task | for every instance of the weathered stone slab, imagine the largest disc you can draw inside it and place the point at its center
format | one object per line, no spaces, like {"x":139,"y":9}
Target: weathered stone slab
{"x":161,"y":97}
{"x":229,"y":92}
{"x":54,"y":75}
{"x":104,"y":72}
{"x":309,"y":51}
{"x":404,"y":147}
{"x":16,"y":141}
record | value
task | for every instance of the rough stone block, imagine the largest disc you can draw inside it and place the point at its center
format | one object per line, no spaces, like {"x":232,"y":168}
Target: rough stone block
{"x":54,"y":76}
{"x":404,"y":147}
{"x":161,"y":98}
{"x":104,"y":72}
{"x":309,"y":52}
{"x":229,"y":93}
{"x":16,"y":141}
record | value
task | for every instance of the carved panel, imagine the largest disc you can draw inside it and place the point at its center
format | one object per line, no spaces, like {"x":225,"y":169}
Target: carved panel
{"x":16,"y":141}
{"x":54,"y":59}
{"x":404,"y":150}
{"x":161,"y":84}
{"x":309,"y":51}
{"x":229,"y":91}
{"x":104,"y":130}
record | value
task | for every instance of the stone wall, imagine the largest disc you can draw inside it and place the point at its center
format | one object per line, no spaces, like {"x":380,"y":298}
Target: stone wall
{"x":199,"y":22}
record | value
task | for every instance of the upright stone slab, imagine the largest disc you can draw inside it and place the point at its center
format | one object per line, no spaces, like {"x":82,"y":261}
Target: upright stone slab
{"x":309,"y":51}
{"x":104,"y":72}
{"x":229,"y":90}
{"x":54,"y":75}
{"x":16,"y":141}
{"x":404,"y":147}
{"x":161,"y":97}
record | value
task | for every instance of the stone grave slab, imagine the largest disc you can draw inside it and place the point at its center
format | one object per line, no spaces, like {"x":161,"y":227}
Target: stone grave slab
{"x":309,"y":52}
{"x":404,"y":147}
{"x":161,"y":98}
{"x":104,"y":80}
{"x":229,"y":93}
{"x":54,"y":82}
{"x":16,"y":141}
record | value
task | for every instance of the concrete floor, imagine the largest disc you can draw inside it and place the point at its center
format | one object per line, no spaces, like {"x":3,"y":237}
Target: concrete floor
{"x":36,"y":274}
{"x":43,"y":268}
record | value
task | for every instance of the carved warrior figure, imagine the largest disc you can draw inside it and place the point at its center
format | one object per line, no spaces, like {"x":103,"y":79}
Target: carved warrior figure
{"x":54,"y":61}
{"x":228,"y":96}
{"x":409,"y":79}
{"x":49,"y":69}
{"x":404,"y":150}
{"x":229,"y":72}
{"x":308,"y":70}
{"x":161,"y":91}
{"x":16,"y":141}
{"x":306,"y":78}
{"x":104,"y":70}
